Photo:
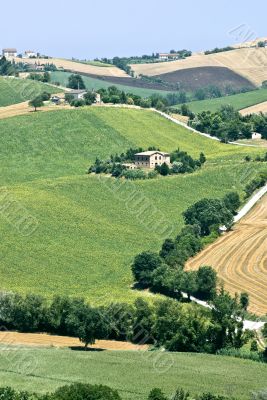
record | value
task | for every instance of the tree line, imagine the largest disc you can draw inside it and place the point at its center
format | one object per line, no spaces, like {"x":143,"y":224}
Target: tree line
{"x":83,"y":391}
{"x":165,"y":324}
{"x":229,"y":125}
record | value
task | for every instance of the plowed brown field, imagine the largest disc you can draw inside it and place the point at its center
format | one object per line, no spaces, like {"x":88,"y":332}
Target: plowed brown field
{"x":240,"y":258}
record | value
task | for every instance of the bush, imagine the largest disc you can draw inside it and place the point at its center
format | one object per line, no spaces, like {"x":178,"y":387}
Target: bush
{"x":81,"y":391}
{"x":77,"y":103}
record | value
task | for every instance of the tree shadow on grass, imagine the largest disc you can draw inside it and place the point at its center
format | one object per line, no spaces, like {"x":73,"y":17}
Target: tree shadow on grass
{"x":82,"y":348}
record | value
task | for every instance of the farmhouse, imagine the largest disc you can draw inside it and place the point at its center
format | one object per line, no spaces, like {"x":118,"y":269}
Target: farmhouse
{"x":256,"y":136}
{"x":30,"y":54}
{"x":168,"y":56}
{"x":150,"y":159}
{"x":77,"y":94}
{"x":9,"y":53}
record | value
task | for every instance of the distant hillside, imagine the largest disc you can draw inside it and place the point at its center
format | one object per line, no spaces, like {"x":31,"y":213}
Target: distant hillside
{"x":79,"y":67}
{"x":249,"y":63}
{"x":14,"y":90}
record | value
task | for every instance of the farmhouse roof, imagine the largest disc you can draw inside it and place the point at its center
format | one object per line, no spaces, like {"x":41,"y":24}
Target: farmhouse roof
{"x":150,"y":153}
{"x":76,"y":91}
{"x":10,"y":50}
{"x":169,"y":54}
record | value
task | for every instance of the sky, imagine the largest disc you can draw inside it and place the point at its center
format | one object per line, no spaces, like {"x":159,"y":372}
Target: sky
{"x":87,"y":29}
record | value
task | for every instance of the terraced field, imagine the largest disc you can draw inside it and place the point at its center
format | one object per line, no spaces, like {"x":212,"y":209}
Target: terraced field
{"x":82,"y":232}
{"x":14,"y":91}
{"x":240,"y":258}
{"x":247,"y":62}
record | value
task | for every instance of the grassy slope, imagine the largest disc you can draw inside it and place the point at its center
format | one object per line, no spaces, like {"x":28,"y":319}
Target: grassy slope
{"x":238,"y":101}
{"x":92,"y":83}
{"x":89,"y":230}
{"x":13,"y":91}
{"x":134,"y":374}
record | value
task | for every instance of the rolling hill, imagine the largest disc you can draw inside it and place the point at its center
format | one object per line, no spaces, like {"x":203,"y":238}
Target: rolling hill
{"x":82,"y":232}
{"x":249,"y":63}
{"x":133,"y":374}
{"x":14,"y":90}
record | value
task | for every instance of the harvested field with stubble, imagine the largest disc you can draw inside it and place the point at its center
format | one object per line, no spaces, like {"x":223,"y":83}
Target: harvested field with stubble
{"x":256,"y":109}
{"x":240,"y":258}
{"x":45,"y":340}
{"x":248,"y":62}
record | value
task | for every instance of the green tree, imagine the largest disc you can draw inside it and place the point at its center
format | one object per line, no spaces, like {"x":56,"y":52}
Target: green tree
{"x":81,"y":391}
{"x":232,"y":201}
{"x":157,"y":394}
{"x":254,"y":346}
{"x":164,"y":169}
{"x":244,"y":301}
{"x":143,"y":266}
{"x":75,"y":81}
{"x":36,"y":103}
{"x":206,"y":282}
{"x":89,"y":98}
{"x":86,"y":322}
{"x":202,"y":158}
{"x":189,"y":283}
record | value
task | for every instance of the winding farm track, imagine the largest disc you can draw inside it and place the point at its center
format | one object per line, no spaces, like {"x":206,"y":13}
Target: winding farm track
{"x":240,"y":258}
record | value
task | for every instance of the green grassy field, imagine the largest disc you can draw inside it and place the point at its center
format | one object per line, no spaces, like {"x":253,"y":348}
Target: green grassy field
{"x":13,"y":91}
{"x":238,"y":101}
{"x":133,"y":374}
{"x":88,"y":229}
{"x":92,"y":83}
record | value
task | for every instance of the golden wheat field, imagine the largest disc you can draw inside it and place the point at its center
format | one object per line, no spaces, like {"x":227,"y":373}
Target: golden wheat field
{"x":240,"y":258}
{"x":249,"y":62}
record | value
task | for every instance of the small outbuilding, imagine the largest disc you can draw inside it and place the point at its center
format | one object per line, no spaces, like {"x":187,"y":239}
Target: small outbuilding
{"x":77,"y":94}
{"x":256,"y":136}
{"x":30,"y":54}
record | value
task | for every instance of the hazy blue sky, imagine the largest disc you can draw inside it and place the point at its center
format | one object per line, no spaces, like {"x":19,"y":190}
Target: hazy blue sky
{"x":88,"y":29}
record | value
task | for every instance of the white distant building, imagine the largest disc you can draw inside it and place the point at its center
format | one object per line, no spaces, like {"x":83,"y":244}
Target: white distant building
{"x":30,"y":53}
{"x":77,"y":94}
{"x":169,"y":56}
{"x":9,"y":53}
{"x":256,"y":136}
